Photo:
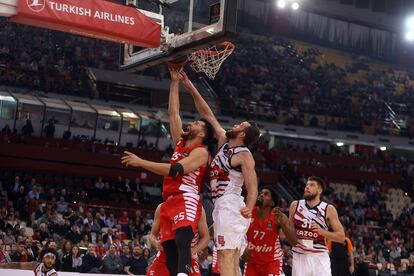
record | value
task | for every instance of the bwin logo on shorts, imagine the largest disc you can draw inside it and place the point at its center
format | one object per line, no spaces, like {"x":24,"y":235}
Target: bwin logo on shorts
{"x":36,"y":5}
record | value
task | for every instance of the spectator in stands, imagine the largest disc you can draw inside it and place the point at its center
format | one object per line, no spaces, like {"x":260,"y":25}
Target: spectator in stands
{"x":124,"y":221}
{"x":124,"y":257}
{"x":62,"y":206}
{"x":110,"y":222}
{"x":4,"y":255}
{"x":65,"y":249}
{"x":91,"y":224}
{"x":6,"y":130}
{"x":27,"y":128}
{"x":146,"y":254}
{"x":100,"y":248}
{"x":74,"y":234}
{"x":90,"y":262}
{"x":9,"y":237}
{"x":21,"y":254}
{"x":108,"y":237}
{"x":34,"y":193}
{"x":72,"y":262}
{"x":111,"y":263}
{"x":85,"y":240}
{"x":50,"y":129}
{"x":137,"y":265}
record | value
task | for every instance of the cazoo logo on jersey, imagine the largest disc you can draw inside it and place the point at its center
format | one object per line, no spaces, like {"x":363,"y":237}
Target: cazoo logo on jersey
{"x":36,"y":5}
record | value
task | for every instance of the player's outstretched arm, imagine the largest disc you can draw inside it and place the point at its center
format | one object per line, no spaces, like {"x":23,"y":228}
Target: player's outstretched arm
{"x":283,"y":222}
{"x":176,"y":125}
{"x":155,"y":229}
{"x":292,"y":209}
{"x":246,"y":161}
{"x":204,"y":233}
{"x":197,"y":158}
{"x":204,"y":109}
{"x":17,"y":265}
{"x":338,"y":233}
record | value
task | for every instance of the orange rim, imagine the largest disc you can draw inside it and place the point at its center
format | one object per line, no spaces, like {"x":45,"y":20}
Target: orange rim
{"x":217,"y":52}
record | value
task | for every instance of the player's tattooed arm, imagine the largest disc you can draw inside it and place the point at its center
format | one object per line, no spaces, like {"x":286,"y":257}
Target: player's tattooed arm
{"x":16,"y":265}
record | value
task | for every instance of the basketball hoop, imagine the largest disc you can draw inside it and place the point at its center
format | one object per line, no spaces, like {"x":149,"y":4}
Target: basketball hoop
{"x":209,"y":60}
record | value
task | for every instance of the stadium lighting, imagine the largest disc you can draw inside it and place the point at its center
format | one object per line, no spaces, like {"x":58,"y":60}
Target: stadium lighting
{"x":383,"y":148}
{"x":340,"y":144}
{"x":409,"y":36}
{"x":410,"y":23}
{"x":281,"y":4}
{"x":295,"y":6}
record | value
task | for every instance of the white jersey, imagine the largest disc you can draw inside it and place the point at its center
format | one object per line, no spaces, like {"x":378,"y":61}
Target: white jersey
{"x":310,"y":241}
{"x":225,"y":179}
{"x":38,"y":271}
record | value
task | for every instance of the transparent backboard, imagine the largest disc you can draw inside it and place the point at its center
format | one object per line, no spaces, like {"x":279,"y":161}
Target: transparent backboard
{"x":188,"y":25}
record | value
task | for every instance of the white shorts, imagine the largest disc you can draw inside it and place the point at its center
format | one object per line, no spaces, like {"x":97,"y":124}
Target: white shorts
{"x":312,"y":264}
{"x":230,"y":227}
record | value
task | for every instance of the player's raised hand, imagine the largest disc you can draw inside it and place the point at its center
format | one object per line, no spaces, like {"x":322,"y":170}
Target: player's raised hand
{"x":175,"y":74}
{"x":130,"y":159}
{"x":246,"y":212}
{"x":188,"y":85}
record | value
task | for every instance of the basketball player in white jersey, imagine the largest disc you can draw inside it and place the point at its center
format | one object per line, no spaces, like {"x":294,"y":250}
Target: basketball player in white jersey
{"x":312,"y":219}
{"x":232,"y":167}
{"x":44,"y":268}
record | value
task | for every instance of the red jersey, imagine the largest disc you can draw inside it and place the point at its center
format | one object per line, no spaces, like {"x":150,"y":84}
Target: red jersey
{"x":264,"y":243}
{"x":187,"y":183}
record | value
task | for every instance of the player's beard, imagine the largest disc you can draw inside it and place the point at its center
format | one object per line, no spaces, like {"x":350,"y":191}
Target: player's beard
{"x":188,"y":135}
{"x":259,"y":202}
{"x":231,"y":134}
{"x":47,"y":265}
{"x":309,"y":197}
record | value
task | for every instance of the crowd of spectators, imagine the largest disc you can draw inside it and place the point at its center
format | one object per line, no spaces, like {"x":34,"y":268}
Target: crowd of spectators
{"x":268,"y":79}
{"x":265,"y":79}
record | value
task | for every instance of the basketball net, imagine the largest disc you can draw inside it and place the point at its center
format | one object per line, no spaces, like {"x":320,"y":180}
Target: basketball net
{"x":209,"y":60}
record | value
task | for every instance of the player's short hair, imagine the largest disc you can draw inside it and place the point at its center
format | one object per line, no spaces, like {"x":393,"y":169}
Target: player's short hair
{"x":318,"y":180}
{"x":273,"y":193}
{"x":252,"y":134}
{"x":208,"y":130}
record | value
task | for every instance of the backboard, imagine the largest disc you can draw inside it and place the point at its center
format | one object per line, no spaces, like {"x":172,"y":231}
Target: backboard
{"x":187,"y":25}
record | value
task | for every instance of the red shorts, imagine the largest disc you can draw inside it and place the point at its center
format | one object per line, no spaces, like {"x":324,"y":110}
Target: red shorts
{"x":179,"y":211}
{"x":159,"y":266}
{"x":269,"y":269}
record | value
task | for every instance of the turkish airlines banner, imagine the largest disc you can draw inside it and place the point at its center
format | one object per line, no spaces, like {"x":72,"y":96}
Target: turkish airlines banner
{"x":95,"y":18}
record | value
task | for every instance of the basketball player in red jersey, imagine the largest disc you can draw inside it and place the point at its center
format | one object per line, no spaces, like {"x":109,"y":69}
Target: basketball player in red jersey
{"x":312,"y":219}
{"x":264,"y":254}
{"x":232,"y":168}
{"x":200,"y":241}
{"x":181,"y":209}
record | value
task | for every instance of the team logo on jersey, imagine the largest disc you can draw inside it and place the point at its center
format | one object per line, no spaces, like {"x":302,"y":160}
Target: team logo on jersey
{"x":220,"y":240}
{"x":318,"y":214}
{"x":36,"y":5}
{"x":269,"y":226}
